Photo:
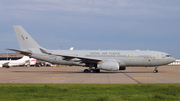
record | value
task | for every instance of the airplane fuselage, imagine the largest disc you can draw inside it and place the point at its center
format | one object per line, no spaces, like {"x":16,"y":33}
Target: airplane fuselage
{"x":126,"y":58}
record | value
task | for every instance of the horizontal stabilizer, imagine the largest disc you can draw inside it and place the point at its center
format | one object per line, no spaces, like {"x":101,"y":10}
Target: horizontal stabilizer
{"x":28,"y":53}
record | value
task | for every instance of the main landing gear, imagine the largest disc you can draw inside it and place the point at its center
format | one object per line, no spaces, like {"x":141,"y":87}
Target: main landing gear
{"x":155,"y":70}
{"x":92,"y":68}
{"x":92,"y":71}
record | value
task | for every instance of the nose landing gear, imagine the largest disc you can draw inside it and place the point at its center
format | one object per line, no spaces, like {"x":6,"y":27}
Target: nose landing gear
{"x":155,"y":70}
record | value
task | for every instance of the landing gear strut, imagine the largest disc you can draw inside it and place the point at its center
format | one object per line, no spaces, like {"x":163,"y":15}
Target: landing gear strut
{"x":155,"y":70}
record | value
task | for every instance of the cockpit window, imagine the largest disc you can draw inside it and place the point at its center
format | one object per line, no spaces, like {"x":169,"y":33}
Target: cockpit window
{"x":168,"y":55}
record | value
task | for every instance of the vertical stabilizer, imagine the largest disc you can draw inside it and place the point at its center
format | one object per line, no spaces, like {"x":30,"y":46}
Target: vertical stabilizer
{"x":24,"y":39}
{"x":72,"y":48}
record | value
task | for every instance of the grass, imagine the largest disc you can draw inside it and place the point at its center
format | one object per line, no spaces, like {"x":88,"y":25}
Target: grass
{"x":89,"y":92}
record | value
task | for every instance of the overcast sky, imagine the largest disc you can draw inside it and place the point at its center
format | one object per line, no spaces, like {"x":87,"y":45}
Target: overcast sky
{"x":94,"y":24}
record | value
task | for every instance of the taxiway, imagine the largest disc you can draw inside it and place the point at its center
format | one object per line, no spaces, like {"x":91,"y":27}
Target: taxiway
{"x":66,"y":74}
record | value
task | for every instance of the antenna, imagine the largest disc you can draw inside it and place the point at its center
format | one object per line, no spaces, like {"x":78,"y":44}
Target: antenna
{"x":61,"y":47}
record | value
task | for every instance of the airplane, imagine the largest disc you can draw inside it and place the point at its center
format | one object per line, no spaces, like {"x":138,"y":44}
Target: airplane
{"x":10,"y":63}
{"x":72,"y":48}
{"x":96,"y":60}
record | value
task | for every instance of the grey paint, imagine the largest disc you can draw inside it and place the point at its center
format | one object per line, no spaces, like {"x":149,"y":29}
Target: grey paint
{"x":82,"y":57}
{"x":139,"y":58}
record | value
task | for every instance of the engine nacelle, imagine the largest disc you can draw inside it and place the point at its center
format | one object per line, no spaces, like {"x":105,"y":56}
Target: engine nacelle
{"x":109,"y":65}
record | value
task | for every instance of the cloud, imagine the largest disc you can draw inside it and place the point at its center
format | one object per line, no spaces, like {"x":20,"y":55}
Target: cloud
{"x":110,"y":21}
{"x":104,"y":7}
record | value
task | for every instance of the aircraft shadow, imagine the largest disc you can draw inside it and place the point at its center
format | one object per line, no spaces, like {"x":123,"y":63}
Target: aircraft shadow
{"x":102,"y":72}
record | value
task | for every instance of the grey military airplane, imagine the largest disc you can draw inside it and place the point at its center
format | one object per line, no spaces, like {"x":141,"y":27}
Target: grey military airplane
{"x":96,"y":60}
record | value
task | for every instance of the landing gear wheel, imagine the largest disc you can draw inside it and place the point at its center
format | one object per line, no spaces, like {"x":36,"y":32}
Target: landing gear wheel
{"x":86,"y":71}
{"x":92,"y":71}
{"x":155,"y":71}
{"x":97,"y":70}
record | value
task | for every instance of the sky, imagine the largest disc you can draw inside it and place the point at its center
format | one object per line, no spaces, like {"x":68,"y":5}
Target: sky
{"x":94,"y":24}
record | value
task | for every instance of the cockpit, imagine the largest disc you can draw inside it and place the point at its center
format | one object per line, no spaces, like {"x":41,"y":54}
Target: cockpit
{"x":168,"y":55}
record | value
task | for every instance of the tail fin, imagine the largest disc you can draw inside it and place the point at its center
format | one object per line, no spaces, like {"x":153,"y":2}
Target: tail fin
{"x":72,"y":48}
{"x":24,"y":39}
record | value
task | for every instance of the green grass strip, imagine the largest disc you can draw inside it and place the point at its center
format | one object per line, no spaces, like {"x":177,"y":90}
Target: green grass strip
{"x":89,"y":92}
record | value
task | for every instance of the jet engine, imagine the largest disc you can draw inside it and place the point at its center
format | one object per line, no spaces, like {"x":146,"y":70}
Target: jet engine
{"x":109,"y":65}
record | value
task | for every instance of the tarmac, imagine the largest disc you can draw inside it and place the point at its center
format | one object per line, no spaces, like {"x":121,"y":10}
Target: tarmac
{"x":75,"y":74}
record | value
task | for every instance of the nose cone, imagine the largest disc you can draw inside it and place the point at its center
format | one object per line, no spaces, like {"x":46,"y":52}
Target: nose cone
{"x":172,"y":59}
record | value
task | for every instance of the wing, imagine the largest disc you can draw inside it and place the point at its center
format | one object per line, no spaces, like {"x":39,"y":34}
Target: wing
{"x":5,"y":64}
{"x":69,"y":57}
{"x":66,"y":57}
{"x":83,"y":59}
